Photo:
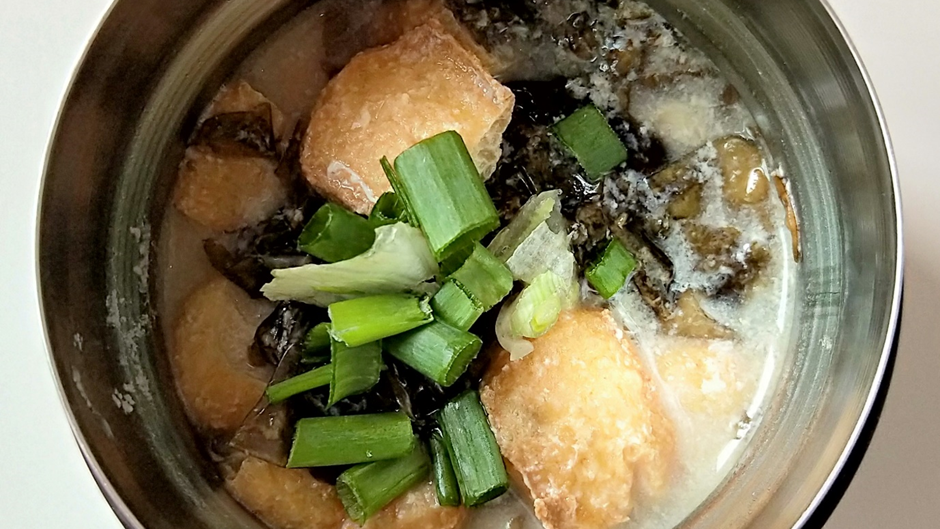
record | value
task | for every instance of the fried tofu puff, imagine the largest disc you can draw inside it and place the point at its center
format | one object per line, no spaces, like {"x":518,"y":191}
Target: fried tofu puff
{"x":387,"y":99}
{"x":225,"y":192}
{"x":579,"y":422}
{"x":416,"y":509}
{"x":709,"y":377}
{"x":397,"y":18}
{"x":286,"y":498}
{"x":209,"y":355}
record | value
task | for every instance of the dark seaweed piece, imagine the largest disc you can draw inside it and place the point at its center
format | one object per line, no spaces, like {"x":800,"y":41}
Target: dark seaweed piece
{"x":248,"y":133}
{"x":589,"y":230}
{"x":247,"y":256}
{"x":647,"y":152}
{"x":399,"y":388}
{"x":543,"y":102}
{"x":753,"y":258}
{"x":380,"y":399}
{"x":578,"y":35}
{"x":283,"y":332}
{"x":533,"y":160}
{"x":266,"y":431}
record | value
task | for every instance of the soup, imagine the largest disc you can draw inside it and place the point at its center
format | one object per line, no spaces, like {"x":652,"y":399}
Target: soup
{"x":557,"y":302}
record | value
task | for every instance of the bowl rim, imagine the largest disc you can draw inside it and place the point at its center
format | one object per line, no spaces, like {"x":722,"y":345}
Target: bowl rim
{"x":129,"y":520}
{"x":892,"y":332}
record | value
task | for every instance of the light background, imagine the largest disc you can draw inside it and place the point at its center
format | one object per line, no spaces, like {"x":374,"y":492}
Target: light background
{"x":43,"y":480}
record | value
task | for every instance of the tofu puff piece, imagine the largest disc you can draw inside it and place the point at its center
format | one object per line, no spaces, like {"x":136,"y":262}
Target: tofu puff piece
{"x":228,"y":192}
{"x":286,"y":498}
{"x":398,"y":17}
{"x":712,"y":378}
{"x":209,"y":355}
{"x":387,"y":99}
{"x":415,"y":509}
{"x":579,"y":421}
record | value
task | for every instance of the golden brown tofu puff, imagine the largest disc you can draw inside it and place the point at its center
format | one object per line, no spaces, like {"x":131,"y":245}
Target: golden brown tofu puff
{"x":709,"y":377}
{"x":209,"y":355}
{"x":580,"y":422}
{"x":224,"y":193}
{"x":387,"y":99}
{"x":416,"y":509}
{"x":286,"y":498}
{"x":398,"y":17}
{"x":227,"y":192}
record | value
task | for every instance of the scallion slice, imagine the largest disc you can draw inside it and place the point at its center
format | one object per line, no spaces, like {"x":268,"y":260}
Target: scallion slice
{"x":589,"y":137}
{"x":315,"y":378}
{"x":455,"y":307}
{"x":364,"y":489}
{"x":399,"y":261}
{"x":455,"y":260}
{"x":484,"y":277}
{"x":355,"y":369}
{"x":473,"y":451}
{"x":389,"y":209}
{"x":351,"y":439}
{"x":317,"y":344}
{"x":537,"y":308}
{"x":437,"y":350}
{"x":544,"y":207}
{"x":609,"y":272}
{"x":362,"y":320}
{"x":443,"y":191}
{"x":445,"y":482}
{"x":336,"y":234}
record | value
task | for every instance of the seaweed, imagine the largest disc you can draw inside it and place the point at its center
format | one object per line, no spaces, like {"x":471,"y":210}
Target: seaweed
{"x":247,"y":256}
{"x":266,"y":431}
{"x":248,"y":133}
{"x":281,"y":335}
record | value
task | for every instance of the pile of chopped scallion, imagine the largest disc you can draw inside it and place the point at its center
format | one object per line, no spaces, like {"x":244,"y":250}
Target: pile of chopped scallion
{"x":410,"y":281}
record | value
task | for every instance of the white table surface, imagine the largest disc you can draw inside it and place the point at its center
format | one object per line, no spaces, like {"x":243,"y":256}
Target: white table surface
{"x":43,"y":480}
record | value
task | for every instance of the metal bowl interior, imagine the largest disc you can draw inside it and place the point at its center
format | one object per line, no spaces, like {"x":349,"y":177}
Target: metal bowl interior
{"x":120,"y":135}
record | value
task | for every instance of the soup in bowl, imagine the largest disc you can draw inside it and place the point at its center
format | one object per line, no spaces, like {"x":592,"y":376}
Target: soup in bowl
{"x":415,"y":263}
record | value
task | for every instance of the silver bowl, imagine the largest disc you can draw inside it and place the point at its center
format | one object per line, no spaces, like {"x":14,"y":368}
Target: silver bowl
{"x":112,"y":162}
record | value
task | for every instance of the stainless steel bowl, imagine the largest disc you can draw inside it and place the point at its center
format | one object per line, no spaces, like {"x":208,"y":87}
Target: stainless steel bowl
{"x":113,"y":158}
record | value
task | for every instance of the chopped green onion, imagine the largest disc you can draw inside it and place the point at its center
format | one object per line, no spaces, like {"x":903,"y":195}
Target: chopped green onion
{"x":399,"y":261}
{"x":542,"y":251}
{"x":443,"y":191}
{"x":351,"y":439}
{"x":317,"y":344}
{"x":312,"y":379}
{"x":536,"y":240}
{"x":389,"y":209}
{"x":517,"y":346}
{"x":455,"y":260}
{"x":608,"y":274}
{"x":364,"y":489}
{"x":484,"y":277}
{"x":437,"y":350}
{"x":473,"y":451}
{"x":355,"y":369}
{"x":336,"y":234}
{"x":363,"y":320}
{"x":448,"y":493}
{"x":589,"y":137}
{"x":537,"y":308}
{"x":455,"y":307}
{"x":544,"y":207}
